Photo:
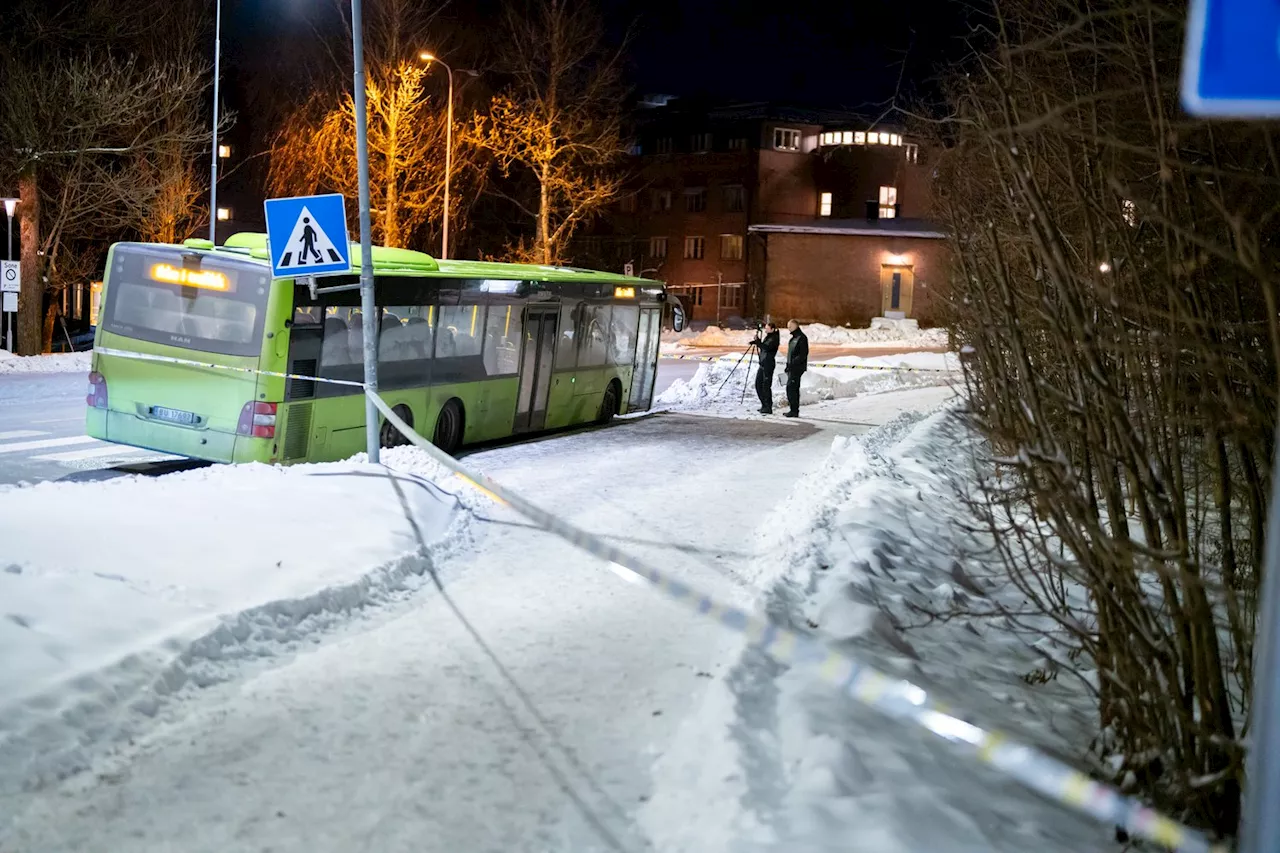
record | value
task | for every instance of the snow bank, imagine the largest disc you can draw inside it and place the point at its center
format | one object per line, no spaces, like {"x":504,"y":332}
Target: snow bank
{"x":903,"y":333}
{"x":116,"y":595}
{"x":862,"y":551}
{"x":72,"y":362}
{"x":718,"y":385}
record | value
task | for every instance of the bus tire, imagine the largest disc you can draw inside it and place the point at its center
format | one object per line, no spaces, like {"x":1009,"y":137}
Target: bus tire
{"x":389,"y":436}
{"x":609,"y":403}
{"x":449,"y":427}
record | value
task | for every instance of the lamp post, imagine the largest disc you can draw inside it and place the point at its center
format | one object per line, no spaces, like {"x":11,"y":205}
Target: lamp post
{"x":428,"y":57}
{"x":368,"y":310}
{"x":10,"y":205}
{"x":213,"y":158}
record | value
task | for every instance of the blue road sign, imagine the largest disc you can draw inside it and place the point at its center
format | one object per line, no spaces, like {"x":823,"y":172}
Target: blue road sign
{"x":307,"y":235}
{"x":1232,"y":61}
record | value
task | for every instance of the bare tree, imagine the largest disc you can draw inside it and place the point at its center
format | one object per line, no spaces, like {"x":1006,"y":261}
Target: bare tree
{"x":1115,"y":291}
{"x":100,"y":128}
{"x":558,"y":123}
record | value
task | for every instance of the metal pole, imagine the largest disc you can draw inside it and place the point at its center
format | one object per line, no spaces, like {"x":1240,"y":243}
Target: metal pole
{"x":448,"y":165}
{"x":213,"y":161}
{"x":1260,"y":825}
{"x":367,"y":307}
{"x":8,"y":254}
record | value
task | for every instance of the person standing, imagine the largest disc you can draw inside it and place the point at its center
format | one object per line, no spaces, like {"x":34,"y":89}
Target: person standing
{"x":797,"y":364}
{"x":767,"y":347}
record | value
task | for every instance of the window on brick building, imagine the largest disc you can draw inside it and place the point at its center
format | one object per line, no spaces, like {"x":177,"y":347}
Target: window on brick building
{"x":730,"y":247}
{"x":786,"y":139}
{"x":731,"y":296}
{"x":824,"y":204}
{"x":627,"y":204}
{"x":664,"y":145}
{"x":695,"y":199}
{"x":661,"y":200}
{"x":700,"y":142}
{"x":694,"y":248}
{"x":738,"y":143}
{"x":735,"y":198}
{"x":888,"y":200}
{"x":657,"y":247}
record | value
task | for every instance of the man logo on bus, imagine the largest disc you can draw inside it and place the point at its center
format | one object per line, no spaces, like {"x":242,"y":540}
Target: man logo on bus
{"x":309,"y":242}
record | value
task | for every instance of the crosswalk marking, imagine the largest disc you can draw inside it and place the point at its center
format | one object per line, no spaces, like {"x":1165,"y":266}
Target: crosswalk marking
{"x":107,"y":450}
{"x":20,"y":446}
{"x":20,"y":433}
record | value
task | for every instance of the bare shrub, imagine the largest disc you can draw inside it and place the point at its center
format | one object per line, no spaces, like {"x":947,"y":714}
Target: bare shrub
{"x":1115,"y":295}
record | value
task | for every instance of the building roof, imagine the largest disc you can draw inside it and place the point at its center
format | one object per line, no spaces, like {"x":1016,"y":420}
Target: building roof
{"x":921,"y":228}
{"x":665,"y":106}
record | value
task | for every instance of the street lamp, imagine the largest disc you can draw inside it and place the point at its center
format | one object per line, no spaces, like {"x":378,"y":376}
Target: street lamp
{"x":10,"y":205}
{"x":428,"y":57}
{"x":213,"y":160}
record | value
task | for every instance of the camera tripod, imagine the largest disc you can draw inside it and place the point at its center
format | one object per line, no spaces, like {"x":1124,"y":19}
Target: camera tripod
{"x":747,"y":354}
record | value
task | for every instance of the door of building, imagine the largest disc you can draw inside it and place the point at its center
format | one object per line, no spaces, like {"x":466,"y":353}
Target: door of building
{"x":897,"y":284}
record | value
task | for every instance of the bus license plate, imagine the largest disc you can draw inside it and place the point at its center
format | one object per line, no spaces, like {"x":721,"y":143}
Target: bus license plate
{"x":174,"y":416}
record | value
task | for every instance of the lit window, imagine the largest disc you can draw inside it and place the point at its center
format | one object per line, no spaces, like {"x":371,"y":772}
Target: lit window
{"x":860,"y":138}
{"x":785,"y":139}
{"x":828,"y":139}
{"x":700,"y":142}
{"x":873,"y":139}
{"x":913,"y":152}
{"x":694,"y":247}
{"x":657,"y":247}
{"x":847,"y":137}
{"x":695,"y":200}
{"x":224,"y":151}
{"x":895,"y":139}
{"x":888,"y":199}
{"x":730,"y":247}
{"x":224,"y":213}
{"x":824,"y":205}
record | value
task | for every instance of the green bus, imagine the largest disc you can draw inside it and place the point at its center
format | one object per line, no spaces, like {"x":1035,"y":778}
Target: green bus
{"x":468,"y":351}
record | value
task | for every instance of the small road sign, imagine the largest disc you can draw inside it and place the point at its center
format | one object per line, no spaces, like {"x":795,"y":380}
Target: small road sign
{"x":1232,"y":63}
{"x":307,"y":235}
{"x":628,"y":269}
{"x":10,"y":276}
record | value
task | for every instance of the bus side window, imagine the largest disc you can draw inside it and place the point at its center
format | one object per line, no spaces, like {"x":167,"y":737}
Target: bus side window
{"x":567,"y":345}
{"x":593,"y":333}
{"x":622,"y":337}
{"x":502,"y":333}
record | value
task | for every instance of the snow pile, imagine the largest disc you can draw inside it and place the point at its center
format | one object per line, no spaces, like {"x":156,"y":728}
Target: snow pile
{"x":117,"y":595}
{"x":718,"y":385}
{"x":71,"y":362}
{"x":902,"y":333}
{"x":865,"y":552}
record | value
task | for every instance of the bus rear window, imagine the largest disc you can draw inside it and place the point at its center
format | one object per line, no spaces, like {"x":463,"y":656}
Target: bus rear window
{"x":186,"y":300}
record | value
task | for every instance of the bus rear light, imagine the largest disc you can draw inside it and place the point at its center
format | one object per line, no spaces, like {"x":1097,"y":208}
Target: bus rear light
{"x":257,"y":420}
{"x":97,"y":396}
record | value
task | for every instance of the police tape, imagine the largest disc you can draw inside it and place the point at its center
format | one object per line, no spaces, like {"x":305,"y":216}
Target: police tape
{"x":823,"y":364}
{"x":896,"y":698}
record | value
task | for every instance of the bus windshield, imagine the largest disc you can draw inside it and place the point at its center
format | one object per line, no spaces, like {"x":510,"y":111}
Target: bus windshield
{"x":186,"y":299}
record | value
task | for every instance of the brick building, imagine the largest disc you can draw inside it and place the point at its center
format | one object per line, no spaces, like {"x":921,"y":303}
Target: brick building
{"x":754,"y":209}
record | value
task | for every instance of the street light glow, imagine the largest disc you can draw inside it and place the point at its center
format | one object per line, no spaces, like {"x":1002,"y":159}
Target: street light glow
{"x":10,"y":205}
{"x":427,"y":56}
{"x":1104,"y":267}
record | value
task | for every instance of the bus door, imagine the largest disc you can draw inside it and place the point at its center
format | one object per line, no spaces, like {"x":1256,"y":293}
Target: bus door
{"x":646,"y":363}
{"x":536,"y":361}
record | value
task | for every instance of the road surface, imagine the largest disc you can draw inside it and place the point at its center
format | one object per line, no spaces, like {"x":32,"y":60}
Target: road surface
{"x":42,"y":431}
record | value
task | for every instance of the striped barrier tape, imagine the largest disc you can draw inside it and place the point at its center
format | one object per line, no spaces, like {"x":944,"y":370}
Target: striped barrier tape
{"x":822,"y":364}
{"x":896,"y":698}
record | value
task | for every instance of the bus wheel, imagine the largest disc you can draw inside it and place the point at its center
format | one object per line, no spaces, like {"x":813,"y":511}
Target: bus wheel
{"x":609,"y":405}
{"x":389,"y":436}
{"x":448,"y":434}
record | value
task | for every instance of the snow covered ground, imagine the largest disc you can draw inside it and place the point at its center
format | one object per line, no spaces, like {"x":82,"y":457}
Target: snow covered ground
{"x":72,"y":362}
{"x":116,"y":595}
{"x":535,"y":701}
{"x":867,"y":546}
{"x":726,"y":386}
{"x":892,"y":335}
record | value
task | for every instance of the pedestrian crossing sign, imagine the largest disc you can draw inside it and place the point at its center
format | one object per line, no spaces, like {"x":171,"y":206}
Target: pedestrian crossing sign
{"x":307,"y":235}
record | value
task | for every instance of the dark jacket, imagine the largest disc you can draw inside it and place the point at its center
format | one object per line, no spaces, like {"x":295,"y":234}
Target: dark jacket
{"x":798,"y":353}
{"x":768,"y":348}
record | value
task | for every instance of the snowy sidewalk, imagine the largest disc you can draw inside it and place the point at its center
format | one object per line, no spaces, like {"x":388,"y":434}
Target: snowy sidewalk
{"x":411,"y":737}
